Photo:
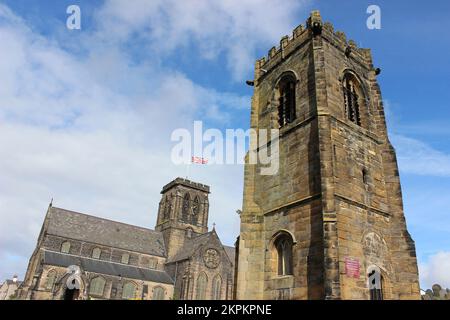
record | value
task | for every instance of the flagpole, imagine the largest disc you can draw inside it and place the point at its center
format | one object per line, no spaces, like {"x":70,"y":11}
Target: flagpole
{"x":187,"y":170}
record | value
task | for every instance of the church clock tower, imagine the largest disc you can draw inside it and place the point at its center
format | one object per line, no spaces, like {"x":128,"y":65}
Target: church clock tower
{"x":183,"y":213}
{"x":330,"y":223}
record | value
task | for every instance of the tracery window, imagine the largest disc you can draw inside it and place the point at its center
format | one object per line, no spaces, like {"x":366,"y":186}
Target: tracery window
{"x":283,"y":245}
{"x":129,"y":290}
{"x":158,"y":293}
{"x":186,"y":206}
{"x":195,"y":210}
{"x":51,"y":278}
{"x":216,"y":287}
{"x":167,"y":206}
{"x":97,"y":286}
{"x":202,"y":283}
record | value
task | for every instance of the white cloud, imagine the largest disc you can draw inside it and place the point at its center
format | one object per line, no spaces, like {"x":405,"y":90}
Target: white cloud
{"x":236,"y":28}
{"x":93,"y":132}
{"x":416,"y":157}
{"x":435,"y":270}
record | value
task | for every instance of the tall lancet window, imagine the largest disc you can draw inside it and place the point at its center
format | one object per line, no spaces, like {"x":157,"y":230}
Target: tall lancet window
{"x":286,"y":106}
{"x":283,"y":245}
{"x":186,"y":207}
{"x":352,"y":96}
{"x":167,"y":207}
{"x":217,"y":288}
{"x":195,"y":210}
{"x":202,"y":283}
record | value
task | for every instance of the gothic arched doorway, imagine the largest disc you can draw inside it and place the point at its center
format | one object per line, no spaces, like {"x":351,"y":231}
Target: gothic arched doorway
{"x":71,"y":294}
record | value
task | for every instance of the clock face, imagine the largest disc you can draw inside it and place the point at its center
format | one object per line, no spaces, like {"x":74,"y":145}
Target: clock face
{"x":211,"y":257}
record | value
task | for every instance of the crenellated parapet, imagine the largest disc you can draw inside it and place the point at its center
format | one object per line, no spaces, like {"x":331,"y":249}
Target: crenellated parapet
{"x":302,"y":34}
{"x":287,"y":45}
{"x":186,"y":183}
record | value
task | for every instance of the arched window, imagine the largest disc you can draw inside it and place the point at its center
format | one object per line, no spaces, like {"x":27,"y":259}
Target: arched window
{"x":202,"y":283}
{"x":164,"y":204}
{"x":96,"y":253}
{"x":352,"y":98}
{"x":152,"y":263}
{"x":283,"y":245}
{"x":125,"y":258}
{"x":286,"y":103}
{"x":97,"y":286}
{"x":51,"y":278}
{"x":65,"y":247}
{"x":129,"y":290}
{"x":375,"y":280}
{"x":158,"y":293}
{"x":217,"y":287}
{"x":195,"y":210}
{"x":186,"y":206}
{"x":167,"y":207}
{"x":184,"y":284}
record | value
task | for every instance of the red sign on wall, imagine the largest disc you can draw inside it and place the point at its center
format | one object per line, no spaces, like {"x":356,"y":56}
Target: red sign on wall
{"x":352,"y":268}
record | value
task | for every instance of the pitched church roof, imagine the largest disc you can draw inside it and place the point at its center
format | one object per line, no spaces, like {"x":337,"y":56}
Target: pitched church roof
{"x":106,"y":267}
{"x":231,"y":252}
{"x":191,"y":245}
{"x":83,"y":227}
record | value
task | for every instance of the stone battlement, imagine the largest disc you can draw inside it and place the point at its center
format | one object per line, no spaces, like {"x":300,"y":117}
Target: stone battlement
{"x":301,"y":34}
{"x":187,"y":183}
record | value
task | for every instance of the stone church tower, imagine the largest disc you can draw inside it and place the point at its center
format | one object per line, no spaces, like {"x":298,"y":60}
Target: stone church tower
{"x":332,"y":216}
{"x":183,"y":213}
{"x":201,"y":266}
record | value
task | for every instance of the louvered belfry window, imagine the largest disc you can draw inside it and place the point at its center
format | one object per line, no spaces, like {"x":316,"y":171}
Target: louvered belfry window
{"x":352,"y":99}
{"x":286,"y":107}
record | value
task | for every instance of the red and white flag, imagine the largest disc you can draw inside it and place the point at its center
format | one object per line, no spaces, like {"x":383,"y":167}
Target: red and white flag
{"x":199,"y":160}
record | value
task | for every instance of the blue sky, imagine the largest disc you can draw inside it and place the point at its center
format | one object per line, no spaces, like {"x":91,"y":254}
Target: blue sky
{"x":108,"y":96}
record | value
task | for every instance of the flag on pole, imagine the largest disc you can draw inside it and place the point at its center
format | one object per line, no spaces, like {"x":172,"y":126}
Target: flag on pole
{"x":199,"y":160}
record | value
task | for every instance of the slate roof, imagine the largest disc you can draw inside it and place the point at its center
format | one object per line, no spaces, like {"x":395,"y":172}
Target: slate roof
{"x":231,"y":252}
{"x":190,"y":246}
{"x":79,"y":226}
{"x":106,"y":267}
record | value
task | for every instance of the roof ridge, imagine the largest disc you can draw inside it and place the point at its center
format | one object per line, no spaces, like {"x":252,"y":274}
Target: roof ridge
{"x":105,"y":219}
{"x":202,"y":235}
